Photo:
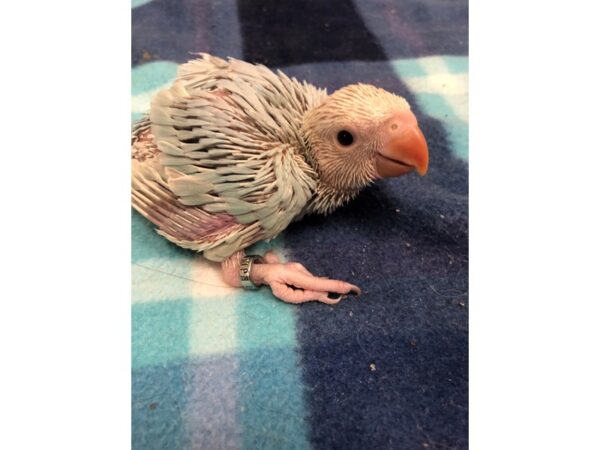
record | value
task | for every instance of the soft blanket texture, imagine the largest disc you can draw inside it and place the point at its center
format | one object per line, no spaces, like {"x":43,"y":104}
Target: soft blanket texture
{"x":216,"y":367}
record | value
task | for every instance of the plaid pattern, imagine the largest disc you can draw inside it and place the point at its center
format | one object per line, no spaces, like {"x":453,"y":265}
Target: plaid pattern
{"x":216,"y":367}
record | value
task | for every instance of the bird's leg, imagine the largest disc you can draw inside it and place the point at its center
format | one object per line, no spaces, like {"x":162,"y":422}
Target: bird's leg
{"x":230,"y":268}
{"x":290,"y":282}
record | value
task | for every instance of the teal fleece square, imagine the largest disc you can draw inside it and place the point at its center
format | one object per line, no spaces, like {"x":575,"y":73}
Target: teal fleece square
{"x":158,"y":397}
{"x":160,"y":332}
{"x":273,"y":415}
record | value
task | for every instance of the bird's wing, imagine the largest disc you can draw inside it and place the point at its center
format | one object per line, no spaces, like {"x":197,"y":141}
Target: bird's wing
{"x":228,"y":150}
{"x":187,"y":226}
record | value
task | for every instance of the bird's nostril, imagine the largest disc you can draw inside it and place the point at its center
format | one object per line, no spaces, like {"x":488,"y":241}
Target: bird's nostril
{"x":394,"y":126}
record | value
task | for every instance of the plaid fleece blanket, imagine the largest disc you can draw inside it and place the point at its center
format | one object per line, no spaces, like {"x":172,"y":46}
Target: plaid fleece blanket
{"x":219,"y":368}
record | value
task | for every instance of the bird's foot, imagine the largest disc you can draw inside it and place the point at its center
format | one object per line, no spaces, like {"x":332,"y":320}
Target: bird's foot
{"x":293,"y":283}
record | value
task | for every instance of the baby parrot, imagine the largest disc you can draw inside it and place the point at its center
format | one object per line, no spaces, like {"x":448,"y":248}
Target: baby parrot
{"x":232,"y":153}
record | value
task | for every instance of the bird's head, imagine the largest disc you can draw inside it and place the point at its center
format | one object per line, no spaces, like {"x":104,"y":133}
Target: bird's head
{"x":361,"y":133}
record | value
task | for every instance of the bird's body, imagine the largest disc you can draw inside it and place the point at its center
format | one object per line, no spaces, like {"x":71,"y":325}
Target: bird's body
{"x":232,"y":153}
{"x":226,"y":156}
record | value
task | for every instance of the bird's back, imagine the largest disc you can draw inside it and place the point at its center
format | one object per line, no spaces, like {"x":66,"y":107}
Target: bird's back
{"x":269,"y":105}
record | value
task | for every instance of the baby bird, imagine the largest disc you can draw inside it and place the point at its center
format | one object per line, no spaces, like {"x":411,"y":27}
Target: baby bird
{"x":232,"y":153}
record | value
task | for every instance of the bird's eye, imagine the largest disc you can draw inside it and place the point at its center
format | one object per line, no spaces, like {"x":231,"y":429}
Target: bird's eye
{"x":345,"y":138}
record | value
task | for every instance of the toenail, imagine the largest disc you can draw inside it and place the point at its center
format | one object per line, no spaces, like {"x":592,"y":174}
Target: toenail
{"x":334,"y":295}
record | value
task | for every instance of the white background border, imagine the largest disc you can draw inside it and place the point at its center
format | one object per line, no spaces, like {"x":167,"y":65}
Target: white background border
{"x":534,"y":225}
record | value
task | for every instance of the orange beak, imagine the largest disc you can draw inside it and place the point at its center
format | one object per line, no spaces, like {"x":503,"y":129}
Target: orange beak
{"x":404,"y":149}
